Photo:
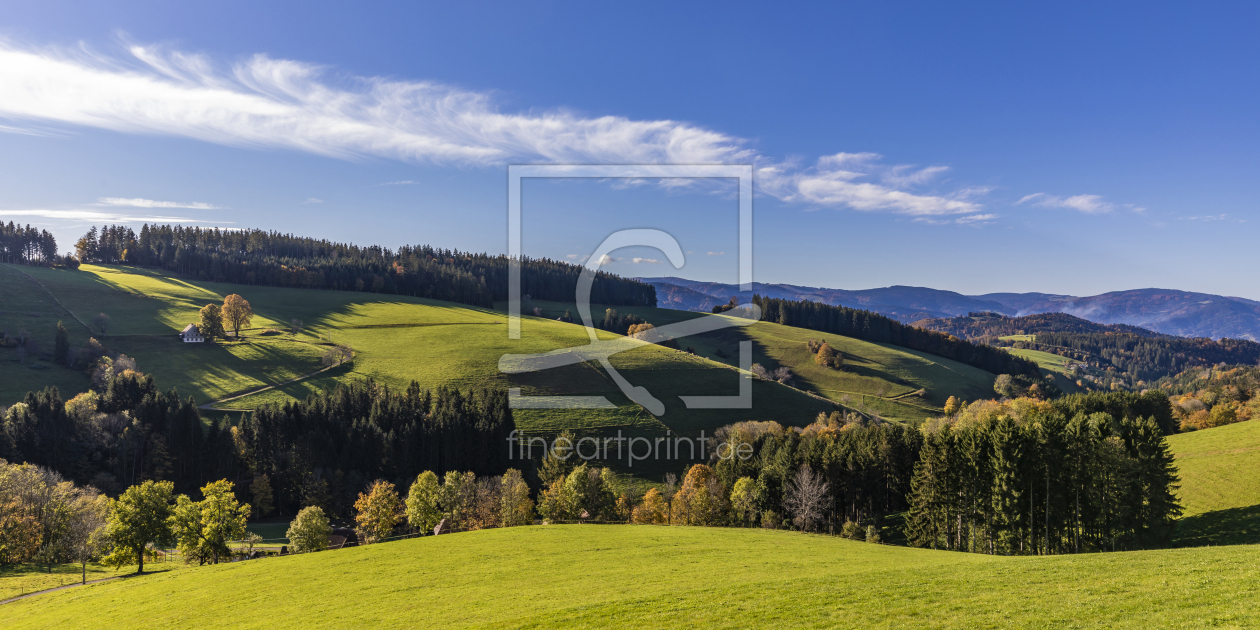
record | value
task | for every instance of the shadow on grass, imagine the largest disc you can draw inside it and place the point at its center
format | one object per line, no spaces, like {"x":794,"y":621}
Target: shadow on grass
{"x":1235,"y":526}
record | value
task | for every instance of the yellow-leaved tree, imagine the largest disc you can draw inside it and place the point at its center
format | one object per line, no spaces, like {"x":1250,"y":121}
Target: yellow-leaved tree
{"x":378,"y":511}
{"x":236,"y":313}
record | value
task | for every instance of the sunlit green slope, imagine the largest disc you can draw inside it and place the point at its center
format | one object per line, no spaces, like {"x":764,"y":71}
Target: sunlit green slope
{"x":605,"y":576}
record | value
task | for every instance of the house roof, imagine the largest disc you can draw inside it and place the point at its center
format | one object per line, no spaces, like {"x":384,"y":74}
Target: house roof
{"x":191,"y":328}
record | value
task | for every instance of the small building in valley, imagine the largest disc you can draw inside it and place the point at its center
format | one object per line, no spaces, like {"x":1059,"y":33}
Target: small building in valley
{"x":191,"y":334}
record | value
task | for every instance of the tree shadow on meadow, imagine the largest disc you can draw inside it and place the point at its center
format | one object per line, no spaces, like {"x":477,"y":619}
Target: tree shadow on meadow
{"x":1235,"y":526}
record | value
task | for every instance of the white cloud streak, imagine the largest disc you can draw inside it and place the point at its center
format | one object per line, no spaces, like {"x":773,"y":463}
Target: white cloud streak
{"x":275,"y":103}
{"x":840,"y":180}
{"x":1089,"y":204}
{"x":149,"y":203}
{"x":645,"y":261}
{"x":94,"y":216}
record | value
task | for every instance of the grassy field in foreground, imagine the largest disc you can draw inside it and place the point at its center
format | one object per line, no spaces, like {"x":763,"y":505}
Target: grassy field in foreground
{"x":1220,"y":484}
{"x":595,"y":576}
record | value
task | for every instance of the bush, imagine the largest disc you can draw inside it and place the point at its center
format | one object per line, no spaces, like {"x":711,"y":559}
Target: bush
{"x":852,"y":531}
{"x":771,"y":520}
{"x":872,"y":534}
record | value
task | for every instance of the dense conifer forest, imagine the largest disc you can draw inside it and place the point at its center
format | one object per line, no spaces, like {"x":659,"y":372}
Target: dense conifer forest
{"x":322,"y":450}
{"x":869,"y":326}
{"x":255,"y":257}
{"x":1131,"y":357}
{"x":984,"y":327}
{"x":1082,"y":473}
{"x":1141,"y":359}
{"x":27,"y":245}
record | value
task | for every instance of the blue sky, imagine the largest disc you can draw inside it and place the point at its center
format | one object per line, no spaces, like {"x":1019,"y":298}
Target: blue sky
{"x":1067,"y":148}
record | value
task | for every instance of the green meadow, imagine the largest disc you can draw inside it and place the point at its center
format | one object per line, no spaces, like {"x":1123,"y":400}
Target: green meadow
{"x":614,"y":576}
{"x":879,"y":377}
{"x":24,"y":305}
{"x":1051,"y":365}
{"x":1220,"y":484}
{"x":396,"y":339}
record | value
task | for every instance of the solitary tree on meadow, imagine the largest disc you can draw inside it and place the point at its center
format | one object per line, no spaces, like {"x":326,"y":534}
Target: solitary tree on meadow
{"x":101,"y":322}
{"x":140,"y":516}
{"x":237,"y":313}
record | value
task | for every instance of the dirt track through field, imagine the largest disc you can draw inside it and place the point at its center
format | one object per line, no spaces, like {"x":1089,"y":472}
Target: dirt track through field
{"x":59,"y":588}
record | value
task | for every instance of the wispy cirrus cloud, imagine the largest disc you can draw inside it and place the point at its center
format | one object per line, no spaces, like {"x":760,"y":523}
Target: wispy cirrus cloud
{"x":845,"y":179}
{"x":150,"y":203}
{"x":1089,"y":204}
{"x":971,"y":219}
{"x":263,"y":102}
{"x":645,"y":261}
{"x":95,"y":216}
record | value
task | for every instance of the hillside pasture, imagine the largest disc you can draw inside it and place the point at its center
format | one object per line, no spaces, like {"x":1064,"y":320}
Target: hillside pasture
{"x":611,"y":576}
{"x":878,"y":377}
{"x":1052,"y":365}
{"x":25,"y":306}
{"x":396,"y":339}
{"x":1220,"y":484}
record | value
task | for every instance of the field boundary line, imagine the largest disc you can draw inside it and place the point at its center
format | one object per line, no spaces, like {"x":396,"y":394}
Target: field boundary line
{"x":210,"y":405}
{"x":58,"y":588}
{"x":54,"y":298}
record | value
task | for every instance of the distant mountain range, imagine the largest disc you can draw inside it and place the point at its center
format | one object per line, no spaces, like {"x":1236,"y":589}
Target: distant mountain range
{"x":1165,"y":311}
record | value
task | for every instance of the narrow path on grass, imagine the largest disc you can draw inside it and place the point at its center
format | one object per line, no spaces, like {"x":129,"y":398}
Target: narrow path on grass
{"x":59,"y":588}
{"x":210,"y":406}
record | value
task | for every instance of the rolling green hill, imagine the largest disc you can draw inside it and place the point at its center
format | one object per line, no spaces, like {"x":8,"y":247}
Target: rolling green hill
{"x":396,"y":339}
{"x":1051,"y":365}
{"x":1220,"y":484}
{"x":26,"y":306}
{"x":643,"y":576}
{"x":880,"y":377}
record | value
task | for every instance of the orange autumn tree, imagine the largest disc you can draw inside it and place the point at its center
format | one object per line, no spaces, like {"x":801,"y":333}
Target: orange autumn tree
{"x":653,"y":510}
{"x":702,"y":499}
{"x":378,"y":511}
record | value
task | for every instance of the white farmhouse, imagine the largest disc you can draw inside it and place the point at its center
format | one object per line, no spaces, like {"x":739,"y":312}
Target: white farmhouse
{"x":190,"y":334}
